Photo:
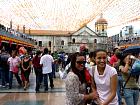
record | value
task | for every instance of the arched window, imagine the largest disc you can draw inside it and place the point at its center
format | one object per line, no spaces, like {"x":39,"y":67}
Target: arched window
{"x":73,"y":40}
{"x":49,"y":43}
{"x":62,"y":42}
{"x":40,"y":43}
{"x":95,"y":40}
{"x":103,"y":28}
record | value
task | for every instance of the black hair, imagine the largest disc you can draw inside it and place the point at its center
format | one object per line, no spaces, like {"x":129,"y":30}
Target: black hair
{"x":80,"y":74}
{"x":114,"y":50}
{"x":124,"y":55}
{"x":91,"y":54}
{"x":119,"y":55}
{"x":98,"y":50}
{"x":38,"y":52}
{"x":46,"y":50}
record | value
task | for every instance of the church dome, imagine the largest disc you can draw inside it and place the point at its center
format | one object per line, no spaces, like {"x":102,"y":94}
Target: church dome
{"x":101,"y":21}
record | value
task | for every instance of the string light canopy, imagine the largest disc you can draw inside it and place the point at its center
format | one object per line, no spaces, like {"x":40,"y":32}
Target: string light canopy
{"x":67,"y":15}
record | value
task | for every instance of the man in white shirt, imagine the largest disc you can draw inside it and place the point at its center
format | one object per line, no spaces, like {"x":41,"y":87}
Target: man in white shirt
{"x":46,"y":63}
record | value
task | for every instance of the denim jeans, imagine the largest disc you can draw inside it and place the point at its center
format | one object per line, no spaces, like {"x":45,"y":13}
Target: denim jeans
{"x":7,"y":75}
{"x":11,"y":79}
{"x":46,"y":80}
{"x":131,"y":96}
{"x":119,"y":87}
{"x":0,"y":71}
{"x":38,"y":73}
{"x":3,"y":77}
{"x":54,"y":69}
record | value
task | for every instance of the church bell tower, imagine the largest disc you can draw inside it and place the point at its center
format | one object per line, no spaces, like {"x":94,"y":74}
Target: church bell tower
{"x":101,"y":26}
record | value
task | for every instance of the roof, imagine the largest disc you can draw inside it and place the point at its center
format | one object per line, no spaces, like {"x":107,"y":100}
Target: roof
{"x":86,"y":27}
{"x":101,"y":20}
{"x":49,"y":32}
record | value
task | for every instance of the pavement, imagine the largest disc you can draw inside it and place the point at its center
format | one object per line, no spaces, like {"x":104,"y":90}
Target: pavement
{"x":60,"y":87}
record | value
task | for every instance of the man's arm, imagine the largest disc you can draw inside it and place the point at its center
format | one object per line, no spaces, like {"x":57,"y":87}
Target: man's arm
{"x":41,"y":62}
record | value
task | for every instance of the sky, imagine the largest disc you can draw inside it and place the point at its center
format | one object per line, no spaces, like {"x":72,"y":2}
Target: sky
{"x":117,"y":29}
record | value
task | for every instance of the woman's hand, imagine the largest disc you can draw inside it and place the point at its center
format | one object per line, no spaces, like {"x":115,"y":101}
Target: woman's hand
{"x":94,"y":95}
{"x":24,"y":69}
{"x":102,"y":104}
{"x":127,"y":60}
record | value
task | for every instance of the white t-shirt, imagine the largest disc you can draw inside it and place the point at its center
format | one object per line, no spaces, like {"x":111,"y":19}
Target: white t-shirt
{"x":66,"y":58}
{"x":103,"y":83}
{"x":47,"y":61}
{"x":13,"y":62}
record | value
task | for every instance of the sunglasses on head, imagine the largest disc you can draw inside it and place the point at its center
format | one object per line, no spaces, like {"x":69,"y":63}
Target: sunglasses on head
{"x":80,"y":62}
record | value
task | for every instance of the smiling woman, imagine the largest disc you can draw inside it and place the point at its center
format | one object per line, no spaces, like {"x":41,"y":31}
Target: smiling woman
{"x":105,"y":78}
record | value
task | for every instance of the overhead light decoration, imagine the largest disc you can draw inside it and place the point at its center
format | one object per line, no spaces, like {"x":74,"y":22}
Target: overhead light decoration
{"x":67,"y":15}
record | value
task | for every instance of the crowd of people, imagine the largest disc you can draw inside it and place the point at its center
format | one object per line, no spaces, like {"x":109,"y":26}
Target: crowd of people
{"x":94,"y":78}
{"x":20,"y":63}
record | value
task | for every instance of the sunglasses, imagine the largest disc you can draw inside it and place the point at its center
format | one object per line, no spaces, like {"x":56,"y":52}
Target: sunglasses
{"x":81,"y":62}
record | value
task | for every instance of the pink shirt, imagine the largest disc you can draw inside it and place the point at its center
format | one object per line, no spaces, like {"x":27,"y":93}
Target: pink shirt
{"x":103,"y":84}
{"x":13,"y":62}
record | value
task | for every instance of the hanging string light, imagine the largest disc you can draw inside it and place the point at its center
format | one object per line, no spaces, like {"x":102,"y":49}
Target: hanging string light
{"x":67,"y":14}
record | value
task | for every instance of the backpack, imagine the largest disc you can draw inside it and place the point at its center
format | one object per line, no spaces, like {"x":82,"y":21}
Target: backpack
{"x":135,"y":68}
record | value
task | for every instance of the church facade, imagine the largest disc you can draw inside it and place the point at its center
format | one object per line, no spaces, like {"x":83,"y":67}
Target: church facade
{"x":69,"y":42}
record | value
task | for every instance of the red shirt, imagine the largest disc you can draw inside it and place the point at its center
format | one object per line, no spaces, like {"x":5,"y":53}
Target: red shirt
{"x":35,"y":62}
{"x":113,"y":59}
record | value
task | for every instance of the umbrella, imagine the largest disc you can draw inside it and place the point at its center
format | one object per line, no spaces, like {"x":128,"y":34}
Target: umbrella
{"x":132,"y":49}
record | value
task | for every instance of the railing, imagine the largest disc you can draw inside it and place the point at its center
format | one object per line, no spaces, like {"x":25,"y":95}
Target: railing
{"x":5,"y":33}
{"x":132,"y":41}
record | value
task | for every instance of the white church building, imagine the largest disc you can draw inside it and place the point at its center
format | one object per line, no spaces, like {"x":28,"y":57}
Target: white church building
{"x":69,"y":41}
